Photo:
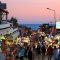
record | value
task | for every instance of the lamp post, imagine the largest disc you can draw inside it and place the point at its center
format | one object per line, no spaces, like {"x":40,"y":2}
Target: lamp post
{"x":54,"y":17}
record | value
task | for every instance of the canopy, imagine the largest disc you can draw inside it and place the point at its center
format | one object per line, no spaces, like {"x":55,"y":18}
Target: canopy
{"x":1,"y":10}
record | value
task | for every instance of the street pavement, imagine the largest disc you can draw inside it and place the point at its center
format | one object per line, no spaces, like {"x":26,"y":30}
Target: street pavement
{"x":38,"y":58}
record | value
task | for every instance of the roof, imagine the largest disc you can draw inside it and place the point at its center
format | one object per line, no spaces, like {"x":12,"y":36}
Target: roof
{"x":1,"y":10}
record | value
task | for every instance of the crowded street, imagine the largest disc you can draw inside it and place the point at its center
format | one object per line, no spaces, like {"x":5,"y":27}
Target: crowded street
{"x":40,"y":58}
{"x":28,"y":31}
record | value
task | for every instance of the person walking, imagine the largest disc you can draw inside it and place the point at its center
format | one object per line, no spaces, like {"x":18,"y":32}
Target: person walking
{"x":38,"y":49}
{"x":16,"y":52}
{"x":21,"y":53}
{"x":43,"y":51}
{"x":55,"y":54}
{"x":59,"y":53}
{"x":50,"y":52}
{"x":30,"y":54}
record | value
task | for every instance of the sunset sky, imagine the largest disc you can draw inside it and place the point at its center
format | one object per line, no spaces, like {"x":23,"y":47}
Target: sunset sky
{"x":33,"y":11}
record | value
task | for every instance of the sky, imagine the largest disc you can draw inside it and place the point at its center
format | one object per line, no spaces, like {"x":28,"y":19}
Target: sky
{"x":33,"y":11}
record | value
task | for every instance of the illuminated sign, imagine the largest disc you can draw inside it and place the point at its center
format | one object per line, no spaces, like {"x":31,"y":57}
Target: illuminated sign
{"x":46,"y":25}
{"x":58,"y":25}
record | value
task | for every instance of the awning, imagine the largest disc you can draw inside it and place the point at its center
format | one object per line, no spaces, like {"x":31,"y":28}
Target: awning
{"x":1,"y":10}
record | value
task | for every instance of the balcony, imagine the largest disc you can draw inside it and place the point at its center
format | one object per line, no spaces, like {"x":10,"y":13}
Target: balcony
{"x":4,"y":24}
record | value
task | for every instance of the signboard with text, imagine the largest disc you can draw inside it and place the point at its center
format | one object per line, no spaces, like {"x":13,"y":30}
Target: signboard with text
{"x":58,"y":25}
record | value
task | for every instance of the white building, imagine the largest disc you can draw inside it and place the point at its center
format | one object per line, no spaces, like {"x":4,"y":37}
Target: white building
{"x":6,"y":27}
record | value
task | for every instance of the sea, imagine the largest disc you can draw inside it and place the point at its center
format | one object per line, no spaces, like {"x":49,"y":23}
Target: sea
{"x":33,"y":26}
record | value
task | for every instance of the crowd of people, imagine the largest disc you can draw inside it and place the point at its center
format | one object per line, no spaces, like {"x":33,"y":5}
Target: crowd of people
{"x":31,"y":51}
{"x":34,"y":46}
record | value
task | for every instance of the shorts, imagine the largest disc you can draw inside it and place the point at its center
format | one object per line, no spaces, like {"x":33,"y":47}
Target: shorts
{"x":49,"y":56}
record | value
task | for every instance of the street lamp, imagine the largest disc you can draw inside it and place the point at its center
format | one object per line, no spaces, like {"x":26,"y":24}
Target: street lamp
{"x":54,"y":17}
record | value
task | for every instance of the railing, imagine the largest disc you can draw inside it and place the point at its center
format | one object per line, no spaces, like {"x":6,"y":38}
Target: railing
{"x":15,"y":35}
{"x":4,"y":21}
{"x":2,"y":26}
{"x":12,"y":30}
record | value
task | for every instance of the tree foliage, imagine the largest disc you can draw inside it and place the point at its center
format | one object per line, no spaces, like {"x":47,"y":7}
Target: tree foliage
{"x":14,"y":21}
{"x":1,"y":15}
